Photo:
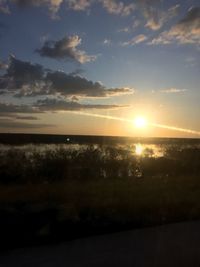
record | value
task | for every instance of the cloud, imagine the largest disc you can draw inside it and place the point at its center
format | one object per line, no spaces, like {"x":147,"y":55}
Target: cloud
{"x":53,"y":104}
{"x":27,"y":79}
{"x":107,"y":42}
{"x":173,"y":90}
{"x":149,"y":2}
{"x":79,"y":5}
{"x":9,"y":108}
{"x":5,"y":123}
{"x":118,"y":7}
{"x":156,"y":18}
{"x":153,"y":13}
{"x":22,"y":71}
{"x":66,"y":85}
{"x":26,"y":118}
{"x":186,"y":31}
{"x":65,"y":48}
{"x":22,"y":77}
{"x":15,"y":116}
{"x":136,"y":40}
{"x":3,"y":65}
{"x":53,"y":5}
{"x":126,"y":29}
{"x":119,"y":91}
{"x":4,"y":8}
{"x":136,"y":23}
{"x":49,"y":104}
{"x":12,"y":111}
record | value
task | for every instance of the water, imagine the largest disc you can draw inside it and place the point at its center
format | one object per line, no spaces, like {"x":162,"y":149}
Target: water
{"x":138,"y":147}
{"x":150,"y":150}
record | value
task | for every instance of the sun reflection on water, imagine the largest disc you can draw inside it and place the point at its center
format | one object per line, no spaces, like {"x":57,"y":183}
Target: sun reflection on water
{"x":139,"y":149}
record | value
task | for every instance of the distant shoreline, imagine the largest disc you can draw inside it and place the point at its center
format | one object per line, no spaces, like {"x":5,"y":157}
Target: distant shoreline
{"x":26,"y":138}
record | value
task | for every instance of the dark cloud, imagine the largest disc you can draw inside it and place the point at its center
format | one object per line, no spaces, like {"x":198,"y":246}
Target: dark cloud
{"x":76,"y":85}
{"x":24,"y":3}
{"x":15,"y":116}
{"x":192,"y":17}
{"x":65,"y":48}
{"x":4,"y":92}
{"x":52,"y":5}
{"x":185,"y":31}
{"x":26,"y":79}
{"x":24,"y":71}
{"x":9,"y":108}
{"x":77,"y":72}
{"x":23,"y":78}
{"x":53,"y":104}
{"x":12,"y":124}
{"x":4,"y":8}
{"x":20,"y":73}
{"x":26,"y":118}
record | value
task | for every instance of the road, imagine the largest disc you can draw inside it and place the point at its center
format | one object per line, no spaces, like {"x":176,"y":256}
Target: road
{"x":169,"y":245}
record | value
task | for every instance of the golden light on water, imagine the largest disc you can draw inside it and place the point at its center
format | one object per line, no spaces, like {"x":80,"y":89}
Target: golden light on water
{"x":139,"y":149}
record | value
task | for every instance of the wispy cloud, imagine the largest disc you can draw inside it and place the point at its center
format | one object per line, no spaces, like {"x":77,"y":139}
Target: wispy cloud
{"x":12,"y":124}
{"x":28,"y":118}
{"x":79,"y":5}
{"x":118,"y":7}
{"x":136,"y":40}
{"x":186,"y":31}
{"x":136,"y":23}
{"x":107,"y":42}
{"x":125,"y":29}
{"x":54,"y":104}
{"x":112,"y":6}
{"x":173,"y":91}
{"x":157,"y":18}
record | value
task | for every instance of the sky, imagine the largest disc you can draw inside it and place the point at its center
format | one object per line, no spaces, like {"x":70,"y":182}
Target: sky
{"x":91,"y":66}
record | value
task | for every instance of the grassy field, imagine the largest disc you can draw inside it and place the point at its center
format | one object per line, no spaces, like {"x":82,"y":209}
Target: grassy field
{"x":63,"y":194}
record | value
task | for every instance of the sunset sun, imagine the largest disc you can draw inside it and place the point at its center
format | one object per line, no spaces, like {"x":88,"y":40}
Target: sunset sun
{"x":140,"y":122}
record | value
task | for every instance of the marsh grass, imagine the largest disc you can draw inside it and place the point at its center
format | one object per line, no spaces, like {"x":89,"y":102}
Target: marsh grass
{"x":63,"y":194}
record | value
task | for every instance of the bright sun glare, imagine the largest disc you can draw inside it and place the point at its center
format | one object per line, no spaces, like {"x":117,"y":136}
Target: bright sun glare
{"x":139,"y":149}
{"x":140,"y":122}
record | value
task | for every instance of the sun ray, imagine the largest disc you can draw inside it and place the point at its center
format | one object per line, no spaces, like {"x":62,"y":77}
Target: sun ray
{"x":163,"y":126}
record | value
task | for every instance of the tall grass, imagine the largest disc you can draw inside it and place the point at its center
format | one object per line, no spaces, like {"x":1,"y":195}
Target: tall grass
{"x":65,"y":193}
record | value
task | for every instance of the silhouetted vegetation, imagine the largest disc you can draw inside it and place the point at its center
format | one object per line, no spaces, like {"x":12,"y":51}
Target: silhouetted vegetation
{"x":66,"y":192}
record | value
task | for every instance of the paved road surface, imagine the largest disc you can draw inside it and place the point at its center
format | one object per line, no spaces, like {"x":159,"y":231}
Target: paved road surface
{"x":170,"y":245}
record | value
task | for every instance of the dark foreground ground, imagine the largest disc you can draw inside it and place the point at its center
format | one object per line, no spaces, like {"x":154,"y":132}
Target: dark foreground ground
{"x":168,"y":245}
